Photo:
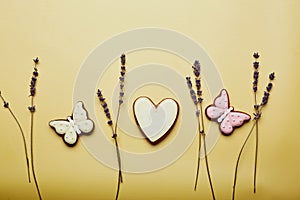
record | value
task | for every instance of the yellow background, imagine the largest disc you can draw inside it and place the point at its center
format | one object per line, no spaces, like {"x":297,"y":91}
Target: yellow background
{"x":62,"y":33}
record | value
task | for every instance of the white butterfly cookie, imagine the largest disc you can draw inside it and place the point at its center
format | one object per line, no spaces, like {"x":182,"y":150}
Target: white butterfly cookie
{"x":75,"y":125}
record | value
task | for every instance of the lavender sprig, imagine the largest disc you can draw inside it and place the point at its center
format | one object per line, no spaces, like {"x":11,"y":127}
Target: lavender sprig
{"x":110,"y":122}
{"x":121,"y":82}
{"x":197,"y":100}
{"x":257,"y":115}
{"x":32,"y":109}
{"x":6,"y":105}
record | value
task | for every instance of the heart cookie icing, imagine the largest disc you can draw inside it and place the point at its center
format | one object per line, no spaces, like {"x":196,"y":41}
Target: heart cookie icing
{"x":155,"y":120}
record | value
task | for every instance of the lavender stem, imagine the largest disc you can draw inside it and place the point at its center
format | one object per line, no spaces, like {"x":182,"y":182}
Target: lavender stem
{"x":120,"y":177}
{"x":205,"y":152}
{"x":256,"y":154}
{"x":31,"y":145}
{"x":199,"y":149}
{"x":238,"y":159}
{"x":23,"y":136}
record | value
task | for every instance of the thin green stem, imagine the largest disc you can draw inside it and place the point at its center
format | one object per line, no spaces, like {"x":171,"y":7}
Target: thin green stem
{"x":23,"y":137}
{"x":31,"y":145}
{"x":238,"y":160}
{"x":119,"y":160}
{"x":207,"y":168}
{"x":256,"y":147}
{"x":205,"y":152}
{"x":199,"y":155}
{"x":256,"y":154}
{"x":202,"y":118}
{"x":120,"y":177}
{"x":117,"y":146}
{"x":117,"y":119}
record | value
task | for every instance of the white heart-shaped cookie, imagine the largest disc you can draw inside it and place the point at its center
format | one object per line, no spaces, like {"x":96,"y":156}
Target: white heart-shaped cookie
{"x":155,"y":120}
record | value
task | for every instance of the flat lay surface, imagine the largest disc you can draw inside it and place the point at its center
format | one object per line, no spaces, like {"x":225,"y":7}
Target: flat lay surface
{"x":65,"y":35}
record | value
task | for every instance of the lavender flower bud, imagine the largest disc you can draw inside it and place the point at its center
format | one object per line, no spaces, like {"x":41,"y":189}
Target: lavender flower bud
{"x":31,"y":108}
{"x":197,"y":64}
{"x":32,"y":91}
{"x":192,"y":92}
{"x":32,"y":84}
{"x":109,"y":122}
{"x":36,"y":60}
{"x":106,"y":110}
{"x":197,"y":73}
{"x":256,"y":55}
{"x":272,"y":76}
{"x":194,"y":98}
{"x":255,"y":82}
{"x":264,"y":100}
{"x":266,"y":94}
{"x":123,"y":68}
{"x":120,"y":101}
{"x":196,"y":68}
{"x":200,"y":99}
{"x":34,"y":78}
{"x":199,"y":92}
{"x":99,"y":93}
{"x":254,"y":88}
{"x":198,"y":83}
{"x":104,"y":105}
{"x":256,"y":65}
{"x":122,"y":73}
{"x":121,"y":94}
{"x":269,"y":87}
{"x":114,"y":135}
{"x":121,"y":79}
{"x":197,"y":113}
{"x":35,"y":73}
{"x":6,"y":104}
{"x":255,"y":75}
{"x":121,"y":86}
{"x":189,"y":82}
{"x":108,"y":115}
{"x":256,"y":107}
{"x":123,"y":59}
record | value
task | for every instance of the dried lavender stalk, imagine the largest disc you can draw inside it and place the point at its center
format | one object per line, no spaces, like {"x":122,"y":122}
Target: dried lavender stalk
{"x":6,"y":105}
{"x":197,"y":100}
{"x":110,"y":122}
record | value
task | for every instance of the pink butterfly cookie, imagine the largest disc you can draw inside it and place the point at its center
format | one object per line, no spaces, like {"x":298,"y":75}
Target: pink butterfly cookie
{"x":221,"y":112}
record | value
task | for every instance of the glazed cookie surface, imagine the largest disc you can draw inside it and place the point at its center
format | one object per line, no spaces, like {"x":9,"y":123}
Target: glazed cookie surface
{"x":155,"y":120}
{"x":221,"y":112}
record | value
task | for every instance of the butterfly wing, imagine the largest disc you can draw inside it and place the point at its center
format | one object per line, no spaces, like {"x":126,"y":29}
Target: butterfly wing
{"x":70,"y":137}
{"x":79,"y":112}
{"x":232,"y":120}
{"x":64,"y":128}
{"x":222,"y":101}
{"x":60,"y":126}
{"x":80,"y":117}
{"x":86,"y":126}
{"x":213,"y":113}
{"x":220,"y":105}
